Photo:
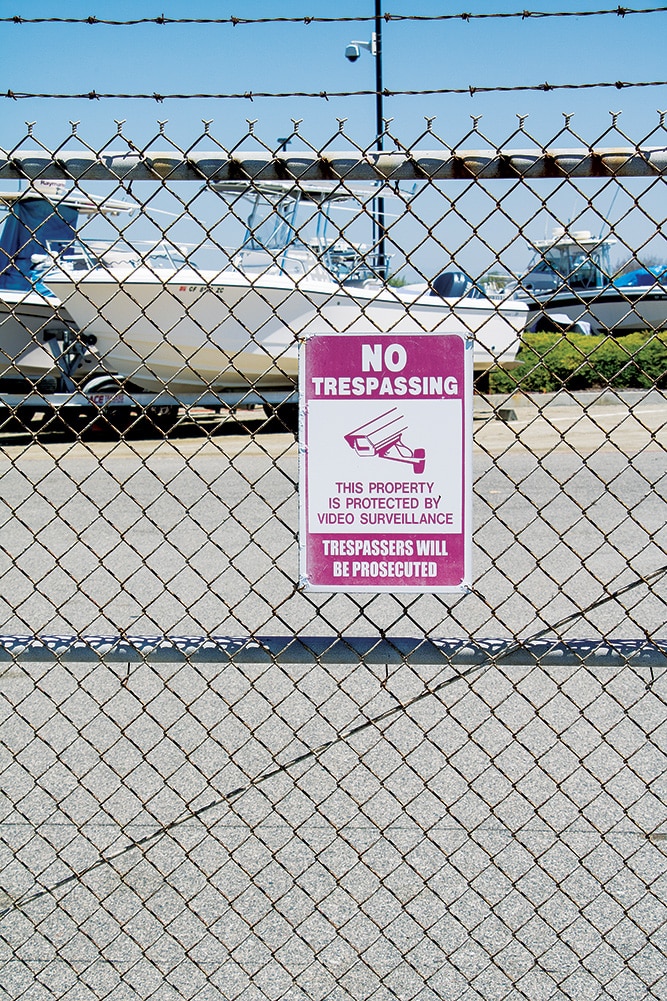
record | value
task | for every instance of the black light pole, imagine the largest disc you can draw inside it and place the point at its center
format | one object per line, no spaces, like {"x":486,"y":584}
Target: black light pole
{"x":379,"y":122}
{"x":352,"y":52}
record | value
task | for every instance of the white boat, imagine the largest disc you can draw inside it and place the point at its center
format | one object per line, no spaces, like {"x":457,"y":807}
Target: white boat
{"x":570,"y":275}
{"x":36,"y":333}
{"x":161,"y":322}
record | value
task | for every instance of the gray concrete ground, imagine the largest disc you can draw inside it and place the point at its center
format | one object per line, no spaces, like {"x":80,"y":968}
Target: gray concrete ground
{"x":197,"y":535}
{"x":176,"y":830}
{"x":166,"y":833}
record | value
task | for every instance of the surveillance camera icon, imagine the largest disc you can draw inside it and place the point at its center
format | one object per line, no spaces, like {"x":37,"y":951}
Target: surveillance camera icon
{"x":382,"y":437}
{"x":352,"y":52}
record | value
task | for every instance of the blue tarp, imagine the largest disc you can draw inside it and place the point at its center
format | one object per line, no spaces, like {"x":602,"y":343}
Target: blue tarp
{"x":28,"y":226}
{"x":640,"y":277}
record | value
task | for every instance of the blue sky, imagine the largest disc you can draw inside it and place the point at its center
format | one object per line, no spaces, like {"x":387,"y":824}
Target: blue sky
{"x":61,"y":58}
{"x":296,"y":57}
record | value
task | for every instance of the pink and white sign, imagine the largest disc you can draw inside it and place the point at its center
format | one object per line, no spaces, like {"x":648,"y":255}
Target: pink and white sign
{"x":385,"y":462}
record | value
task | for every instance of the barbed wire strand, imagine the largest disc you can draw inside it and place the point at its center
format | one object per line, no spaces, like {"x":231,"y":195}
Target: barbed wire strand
{"x":341,"y":736}
{"x":523,"y":15}
{"x":251,"y":95}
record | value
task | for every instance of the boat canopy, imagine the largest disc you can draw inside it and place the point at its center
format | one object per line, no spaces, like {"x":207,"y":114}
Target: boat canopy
{"x":36,"y":220}
{"x":29,"y":227}
{"x":317,"y":192}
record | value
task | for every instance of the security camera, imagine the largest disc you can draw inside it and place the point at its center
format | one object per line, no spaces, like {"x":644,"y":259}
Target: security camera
{"x":352,"y":52}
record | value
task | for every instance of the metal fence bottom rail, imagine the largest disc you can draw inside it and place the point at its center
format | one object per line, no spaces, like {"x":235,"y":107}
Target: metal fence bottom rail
{"x":320,"y":649}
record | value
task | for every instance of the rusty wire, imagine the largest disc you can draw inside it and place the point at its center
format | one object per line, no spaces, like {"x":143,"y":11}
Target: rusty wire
{"x":523,"y":15}
{"x":325,"y":95}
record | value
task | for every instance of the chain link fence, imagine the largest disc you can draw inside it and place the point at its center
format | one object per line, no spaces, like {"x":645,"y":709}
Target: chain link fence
{"x":218,"y":784}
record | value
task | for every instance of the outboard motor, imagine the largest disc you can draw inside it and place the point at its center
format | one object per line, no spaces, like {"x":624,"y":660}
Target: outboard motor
{"x":451,"y":285}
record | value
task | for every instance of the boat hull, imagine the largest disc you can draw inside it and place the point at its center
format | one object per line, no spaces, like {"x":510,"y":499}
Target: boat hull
{"x":615,"y":310}
{"x":225,"y":331}
{"x":30,"y":326}
{"x":24,"y":316}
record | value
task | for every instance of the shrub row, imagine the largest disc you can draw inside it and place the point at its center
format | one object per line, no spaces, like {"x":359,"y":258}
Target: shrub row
{"x":549,"y":362}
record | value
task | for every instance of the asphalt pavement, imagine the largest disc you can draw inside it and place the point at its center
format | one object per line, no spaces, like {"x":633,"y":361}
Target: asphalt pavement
{"x":197,"y":533}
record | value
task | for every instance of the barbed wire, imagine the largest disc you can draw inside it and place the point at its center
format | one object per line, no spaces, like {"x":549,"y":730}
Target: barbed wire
{"x":251,"y":95}
{"x":160,"y":19}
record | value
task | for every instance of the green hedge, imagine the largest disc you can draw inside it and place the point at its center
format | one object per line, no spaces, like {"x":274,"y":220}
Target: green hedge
{"x":549,"y":362}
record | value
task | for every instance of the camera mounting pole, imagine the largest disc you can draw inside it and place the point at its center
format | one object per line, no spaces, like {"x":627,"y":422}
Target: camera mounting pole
{"x":352,"y":53}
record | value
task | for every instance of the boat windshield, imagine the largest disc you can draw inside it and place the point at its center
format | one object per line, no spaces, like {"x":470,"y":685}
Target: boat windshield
{"x":271,"y":225}
{"x":579,"y":265}
{"x":291,"y":225}
{"x":77,"y":256}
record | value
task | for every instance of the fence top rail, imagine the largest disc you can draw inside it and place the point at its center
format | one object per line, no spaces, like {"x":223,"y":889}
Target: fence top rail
{"x":648,"y":161}
{"x":287,"y":650}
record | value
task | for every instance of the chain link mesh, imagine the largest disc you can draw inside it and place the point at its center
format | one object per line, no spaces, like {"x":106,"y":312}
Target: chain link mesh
{"x":328,"y":823}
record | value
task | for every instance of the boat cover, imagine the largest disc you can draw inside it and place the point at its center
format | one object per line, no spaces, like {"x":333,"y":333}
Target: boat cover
{"x":31,"y":223}
{"x":640,"y":278}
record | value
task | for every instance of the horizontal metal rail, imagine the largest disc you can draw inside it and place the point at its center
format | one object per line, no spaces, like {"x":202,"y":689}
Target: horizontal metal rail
{"x":650,"y":161}
{"x":107,"y":398}
{"x":287,"y":650}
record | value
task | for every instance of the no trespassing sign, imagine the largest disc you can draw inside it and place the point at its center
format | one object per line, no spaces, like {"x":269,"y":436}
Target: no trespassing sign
{"x":385,"y":446}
